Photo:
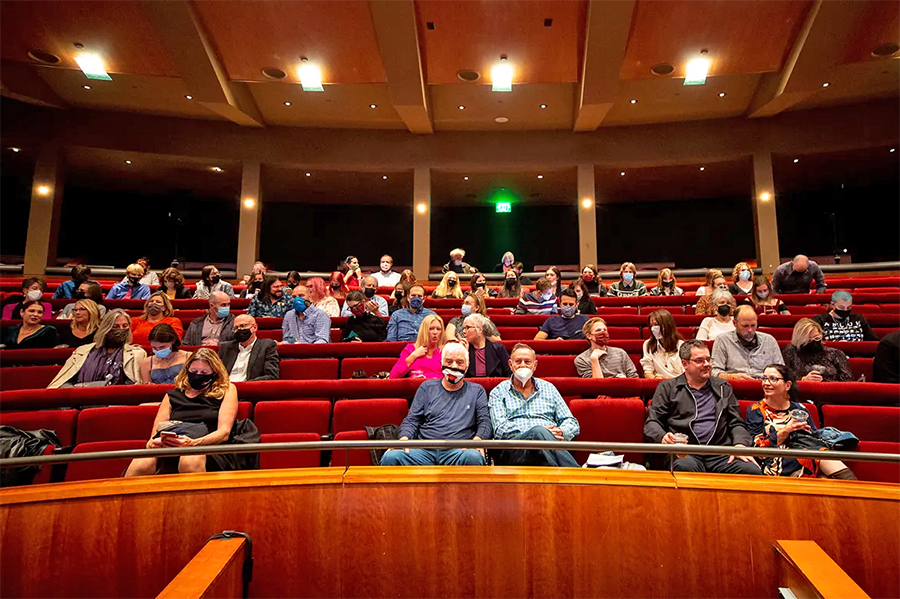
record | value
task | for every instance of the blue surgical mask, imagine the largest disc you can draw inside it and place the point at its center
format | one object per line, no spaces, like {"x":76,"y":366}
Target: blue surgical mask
{"x":628,"y":277}
{"x":416,"y":302}
{"x":223,"y":311}
{"x":466,"y":310}
{"x":745,"y":275}
{"x":162,"y":354}
{"x":300,"y":305}
{"x":547,"y":295}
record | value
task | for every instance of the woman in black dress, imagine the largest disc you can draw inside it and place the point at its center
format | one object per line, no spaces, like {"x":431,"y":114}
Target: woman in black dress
{"x":31,"y":334}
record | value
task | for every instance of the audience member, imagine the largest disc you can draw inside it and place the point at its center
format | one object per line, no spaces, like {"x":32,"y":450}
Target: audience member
{"x":506,"y":262}
{"x":712,"y":283}
{"x":247,"y":357}
{"x":599,"y":360}
{"x":887,"y":359}
{"x":304,"y":323}
{"x":763,"y":299}
{"x":131,"y":287}
{"x":362,"y":325}
{"x":81,"y":273}
{"x":809,"y":359}
{"x":772,"y":424}
{"x":85,"y":320}
{"x":33,"y":289}
{"x":627,"y":285}
{"x":31,"y":334}
{"x":705,"y":305}
{"x":404,"y":323}
{"x":408,"y":276}
{"x":568,"y":325}
{"x":110,"y":360}
{"x":448,"y":287}
{"x":449,"y":408}
{"x":478,"y":286}
{"x":204,"y":404}
{"x":337,"y":287}
{"x":165,"y":344}
{"x":150,"y":278}
{"x":741,"y":279}
{"x":523,"y":280}
{"x":399,"y":297}
{"x":422,"y":358}
{"x":351,"y":272}
{"x":157,"y":309}
{"x":211,"y":281}
{"x":319,"y":294}
{"x":511,"y":286}
{"x":539,"y":301}
{"x":841,"y":324}
{"x":214,"y":327}
{"x":457,"y":265}
{"x":89,"y":290}
{"x":665,"y":284}
{"x":586,"y":303}
{"x":796,"y":275}
{"x":473,"y":304}
{"x":702,"y":408}
{"x":591,"y":279}
{"x":723,"y":322}
{"x":528,"y":408}
{"x":253,"y":285}
{"x":258,"y":268}
{"x":374,"y":303}
{"x":173,"y":285}
{"x":661,"y":359}
{"x":486,"y":358}
{"x":387,"y":277}
{"x":744,"y":353}
{"x":291,"y":280}
{"x":552,"y":274}
{"x":271,"y":301}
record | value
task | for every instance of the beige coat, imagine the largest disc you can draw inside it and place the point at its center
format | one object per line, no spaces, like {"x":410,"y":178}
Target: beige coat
{"x":131,"y":366}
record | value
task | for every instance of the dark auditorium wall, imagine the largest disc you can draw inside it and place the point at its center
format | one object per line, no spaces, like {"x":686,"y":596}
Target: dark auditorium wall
{"x":316,"y":237}
{"x":697,"y":233}
{"x":536,"y":234}
{"x":115,"y":228}
{"x":15,"y":191}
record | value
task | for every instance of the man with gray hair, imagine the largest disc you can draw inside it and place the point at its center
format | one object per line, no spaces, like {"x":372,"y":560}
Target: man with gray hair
{"x":486,"y":358}
{"x":796,"y":275}
{"x":214,"y":327}
{"x":449,"y":408}
{"x":375,"y":304}
{"x":840,"y":324}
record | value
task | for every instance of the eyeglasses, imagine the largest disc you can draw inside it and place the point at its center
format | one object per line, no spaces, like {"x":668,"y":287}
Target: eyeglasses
{"x":79,"y":309}
{"x":770,"y":379}
{"x":467,"y":327}
{"x":701,"y":361}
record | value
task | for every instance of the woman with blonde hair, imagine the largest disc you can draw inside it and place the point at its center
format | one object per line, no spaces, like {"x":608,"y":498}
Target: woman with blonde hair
{"x":763,"y":299}
{"x":627,"y":285}
{"x":711,"y":275}
{"x":741,"y":279}
{"x":810,"y":360}
{"x":200,"y":410}
{"x":422,"y":359}
{"x":448,"y":287}
{"x":158,"y":308}
{"x":665,"y":284}
{"x":85,"y":320}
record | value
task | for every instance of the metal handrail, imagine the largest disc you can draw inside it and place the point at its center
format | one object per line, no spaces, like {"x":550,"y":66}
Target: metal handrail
{"x":446,"y":444}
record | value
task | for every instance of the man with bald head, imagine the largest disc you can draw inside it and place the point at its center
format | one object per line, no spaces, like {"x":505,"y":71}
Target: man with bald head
{"x":744,"y":353}
{"x":247,"y":357}
{"x":796,"y":275}
{"x":214,"y":327}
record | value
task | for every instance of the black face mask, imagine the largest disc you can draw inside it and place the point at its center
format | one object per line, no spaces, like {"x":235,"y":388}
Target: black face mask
{"x":79,"y":294}
{"x":510,"y":283}
{"x":451,"y":283}
{"x":134,"y":281}
{"x":842,"y":314}
{"x":116,"y":338}
{"x":668,"y":283}
{"x":724,"y":310}
{"x":369,"y":292}
{"x":199,"y":382}
{"x":214,"y":279}
{"x":335,"y":285}
{"x":478,"y":286}
{"x":813,"y":347}
{"x":243,"y":335}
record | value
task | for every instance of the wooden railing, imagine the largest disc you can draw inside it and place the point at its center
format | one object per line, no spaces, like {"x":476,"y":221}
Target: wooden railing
{"x":809,"y":573}
{"x":216,"y":572}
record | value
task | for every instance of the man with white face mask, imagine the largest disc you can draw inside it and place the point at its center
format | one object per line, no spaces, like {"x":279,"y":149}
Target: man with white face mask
{"x":450,"y":408}
{"x":526,"y":407}
{"x":387,"y":277}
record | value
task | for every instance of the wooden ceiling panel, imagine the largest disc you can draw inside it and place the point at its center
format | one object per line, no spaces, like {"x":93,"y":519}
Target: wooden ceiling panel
{"x":879,"y":25}
{"x":339,"y":106}
{"x":727,"y":179}
{"x":119,"y":31}
{"x":251,"y":35}
{"x":473,"y":35}
{"x":752,"y":36}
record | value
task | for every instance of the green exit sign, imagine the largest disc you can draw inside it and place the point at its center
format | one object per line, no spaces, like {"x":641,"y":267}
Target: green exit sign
{"x":504,"y":207}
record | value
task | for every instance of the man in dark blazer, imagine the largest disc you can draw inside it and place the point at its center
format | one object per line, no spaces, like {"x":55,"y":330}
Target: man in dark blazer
{"x":485,"y":357}
{"x":247,"y":357}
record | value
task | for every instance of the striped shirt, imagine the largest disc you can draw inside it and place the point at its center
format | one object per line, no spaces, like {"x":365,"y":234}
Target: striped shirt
{"x":534,"y":303}
{"x":512,"y":413}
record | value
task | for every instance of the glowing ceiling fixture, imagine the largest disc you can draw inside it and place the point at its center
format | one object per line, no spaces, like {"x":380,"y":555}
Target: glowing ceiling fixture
{"x":373,"y":105}
{"x":287,"y":103}
{"x":543,"y":106}
{"x":697,"y":68}
{"x":189,"y":97}
{"x":215,"y":169}
{"x":249,"y":203}
{"x":43,"y":190}
{"x":422,"y":208}
{"x":309,"y":174}
{"x":86,"y":86}
{"x":765,"y":196}
{"x":384,"y":177}
{"x":796,"y":160}
{"x":465,"y":178}
{"x":721,"y":94}
{"x":92,"y":66}
{"x":702,"y":168}
{"x":127,"y":162}
{"x":622,"y":174}
{"x":633,"y":101}
{"x":502,"y":76}
{"x":540,"y":176}
{"x":310,"y":76}
{"x":17,"y":150}
{"x":461,"y":107}
{"x":826,"y":84}
{"x":587,"y":203}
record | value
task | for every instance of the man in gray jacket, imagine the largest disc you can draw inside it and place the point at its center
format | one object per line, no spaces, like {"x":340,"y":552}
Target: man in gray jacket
{"x":214,"y":327}
{"x":704,"y":408}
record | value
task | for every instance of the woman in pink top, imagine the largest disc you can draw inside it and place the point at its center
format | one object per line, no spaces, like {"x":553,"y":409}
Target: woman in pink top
{"x":422,"y":359}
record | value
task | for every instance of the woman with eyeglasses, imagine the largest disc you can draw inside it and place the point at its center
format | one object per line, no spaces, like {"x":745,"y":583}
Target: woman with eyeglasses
{"x":780,"y":420}
{"x":85,"y":321}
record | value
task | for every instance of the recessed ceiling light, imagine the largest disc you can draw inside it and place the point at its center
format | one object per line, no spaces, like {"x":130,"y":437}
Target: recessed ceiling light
{"x":43,"y":57}
{"x":310,"y":76}
{"x":888,"y":49}
{"x":697,"y":69}
{"x":461,"y":107}
{"x":501,"y":119}
{"x":249,"y":203}
{"x":43,"y":190}
{"x":17,"y":150}
{"x":216,"y":169}
{"x":796,"y":160}
{"x":384,"y":176}
{"x":722,"y":94}
{"x":892,"y":150}
{"x":287,"y":103}
{"x":586,"y":202}
{"x":373,"y":105}
{"x":189,"y":97}
{"x":86,"y":86}
{"x":502,"y":76}
{"x":765,"y":196}
{"x":127,"y":162}
{"x":633,"y":101}
{"x":465,"y":178}
{"x":92,"y":66}
{"x":273,"y":73}
{"x":826,"y":84}
{"x":702,"y":168}
{"x":422,"y":208}
{"x":468,"y":75}
{"x":540,"y":176}
{"x":662,"y":69}
{"x":622,"y":174}
{"x":543,"y":106}
{"x":309,"y":174}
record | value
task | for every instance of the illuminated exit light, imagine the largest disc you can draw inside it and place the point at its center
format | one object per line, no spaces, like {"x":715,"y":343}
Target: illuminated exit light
{"x":504,"y":207}
{"x":696,"y":71}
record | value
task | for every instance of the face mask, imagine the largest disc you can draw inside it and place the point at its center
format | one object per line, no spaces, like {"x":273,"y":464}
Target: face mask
{"x":199,"y":382}
{"x":479,"y":286}
{"x":154,"y":309}
{"x":116,"y":338}
{"x":523,"y":374}
{"x":668,"y":283}
{"x":34,"y":295}
{"x":162,"y":354}
{"x":335,"y":285}
{"x":416,"y":302}
{"x":510,"y":283}
{"x":547,"y":295}
{"x":451,"y":283}
{"x":466,"y":310}
{"x":214,"y":279}
{"x":601,"y":339}
{"x":842,"y":314}
{"x":587,"y":277}
{"x":568,"y":311}
{"x":656,"y":331}
{"x":454,"y":375}
{"x":724,"y":310}
{"x":223,"y":311}
{"x":134,"y":281}
{"x":358,"y":310}
{"x":79,"y":294}
{"x":628,"y":277}
{"x":369,"y":292}
{"x":300,"y":305}
{"x":813,"y":347}
{"x":243,"y":335}
{"x":579,"y":294}
{"x":762,"y":294}
{"x":385,"y":266}
{"x":745,"y":275}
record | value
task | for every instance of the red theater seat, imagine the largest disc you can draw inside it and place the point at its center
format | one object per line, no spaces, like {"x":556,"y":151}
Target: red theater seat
{"x":274,"y":334}
{"x":371,"y":366}
{"x":309,"y":369}
{"x":356,"y":414}
{"x":868,"y":423}
{"x":289,"y":459}
{"x":610,"y":420}
{"x":517,"y":333}
{"x":351,"y":457}
{"x":60,"y":421}
{"x":101,"y":468}
{"x":862,"y":367}
{"x":26,"y":377}
{"x":780,"y":333}
{"x":871,"y":394}
{"x":293,"y":417}
{"x":116,"y":423}
{"x":876,"y":471}
{"x":556,"y":366}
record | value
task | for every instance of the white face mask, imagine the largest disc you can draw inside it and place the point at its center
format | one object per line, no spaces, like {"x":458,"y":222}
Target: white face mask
{"x":34,"y":295}
{"x":453,"y":375}
{"x":657,"y":331}
{"x":385,"y":266}
{"x":523,"y":374}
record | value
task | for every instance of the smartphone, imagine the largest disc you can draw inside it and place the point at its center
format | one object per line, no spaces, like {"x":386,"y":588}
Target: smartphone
{"x":166,"y":435}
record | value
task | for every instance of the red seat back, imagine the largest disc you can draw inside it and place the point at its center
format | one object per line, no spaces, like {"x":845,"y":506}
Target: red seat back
{"x":610,"y":420}
{"x":309,"y":369}
{"x":116,"y":423}
{"x":550,"y":366}
{"x":289,"y":459}
{"x":862,"y":367}
{"x":371,"y":366}
{"x":517,"y":333}
{"x":26,"y":377}
{"x":101,"y":468}
{"x":356,"y":414}
{"x":60,"y":421}
{"x":876,"y":471}
{"x":293,"y":417}
{"x":868,"y":423}
{"x":351,"y":457}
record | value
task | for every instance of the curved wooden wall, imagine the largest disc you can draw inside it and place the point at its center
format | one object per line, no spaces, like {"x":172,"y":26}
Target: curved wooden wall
{"x":447,"y":532}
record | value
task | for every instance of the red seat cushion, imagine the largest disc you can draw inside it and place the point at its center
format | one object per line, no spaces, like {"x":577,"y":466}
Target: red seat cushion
{"x":849,"y":393}
{"x":309,"y":369}
{"x":351,"y":457}
{"x":517,"y":333}
{"x":868,"y":423}
{"x":356,"y":414}
{"x":101,"y":468}
{"x":610,"y":420}
{"x":293,"y":417}
{"x":27,"y":377}
{"x":289,"y":459}
{"x":556,"y":366}
{"x":60,"y":421}
{"x":371,"y":366}
{"x":116,"y":423}
{"x":876,"y":471}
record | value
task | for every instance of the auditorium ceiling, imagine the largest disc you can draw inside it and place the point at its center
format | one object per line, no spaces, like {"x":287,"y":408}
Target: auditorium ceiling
{"x":403,"y":64}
